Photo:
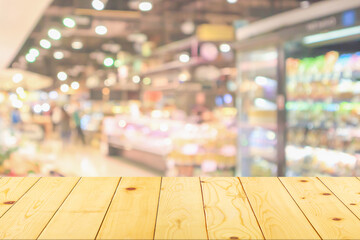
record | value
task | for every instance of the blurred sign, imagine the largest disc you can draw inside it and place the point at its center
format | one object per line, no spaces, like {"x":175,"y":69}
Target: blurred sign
{"x":349,"y":18}
{"x":215,"y":32}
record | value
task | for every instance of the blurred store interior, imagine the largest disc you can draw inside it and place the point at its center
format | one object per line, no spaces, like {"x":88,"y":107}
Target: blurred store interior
{"x":179,"y":88}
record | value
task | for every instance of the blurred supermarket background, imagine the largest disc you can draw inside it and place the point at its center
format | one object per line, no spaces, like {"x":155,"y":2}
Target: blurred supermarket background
{"x":179,"y":87}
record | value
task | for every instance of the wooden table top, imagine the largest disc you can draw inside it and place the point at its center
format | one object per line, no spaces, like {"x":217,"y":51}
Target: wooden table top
{"x":179,"y":208}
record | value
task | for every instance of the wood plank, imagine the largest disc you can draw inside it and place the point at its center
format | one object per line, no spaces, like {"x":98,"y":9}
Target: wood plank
{"x":28,"y":217}
{"x":12,"y":189}
{"x":277,"y":213}
{"x":227,"y":209}
{"x":132,"y":213}
{"x":329,"y":216}
{"x":347,"y":189}
{"x":180,"y":213}
{"x":82,"y":213}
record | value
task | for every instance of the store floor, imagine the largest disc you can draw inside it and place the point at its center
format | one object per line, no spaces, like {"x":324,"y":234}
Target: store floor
{"x":78,"y":160}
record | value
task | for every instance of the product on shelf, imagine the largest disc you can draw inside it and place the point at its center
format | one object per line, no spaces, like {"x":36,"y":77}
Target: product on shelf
{"x":188,"y":149}
{"x":323,"y":114}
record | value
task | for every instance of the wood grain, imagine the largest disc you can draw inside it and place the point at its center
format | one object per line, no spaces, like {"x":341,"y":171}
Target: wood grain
{"x":347,"y":189}
{"x":132,"y":213}
{"x":82,"y":213}
{"x":12,"y":189}
{"x":228,"y":212}
{"x":180,"y":213}
{"x":28,"y":217}
{"x":277,"y":213}
{"x":329,"y":216}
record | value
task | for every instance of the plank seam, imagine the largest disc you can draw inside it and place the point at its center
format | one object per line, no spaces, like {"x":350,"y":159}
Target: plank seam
{"x":21,"y":197}
{"x":299,"y":207}
{"x":338,"y":197}
{"x":58,"y":208}
{"x":251,"y":207}
{"x":157,"y":210}
{"x":107,"y":210}
{"x":203,"y":202}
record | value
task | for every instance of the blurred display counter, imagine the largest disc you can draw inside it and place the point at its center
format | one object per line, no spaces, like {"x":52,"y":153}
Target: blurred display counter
{"x":177,"y":148}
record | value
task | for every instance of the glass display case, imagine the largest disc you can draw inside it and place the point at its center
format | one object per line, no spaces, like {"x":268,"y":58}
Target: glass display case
{"x":257,"y":118}
{"x":299,"y":102}
{"x":323,"y":109}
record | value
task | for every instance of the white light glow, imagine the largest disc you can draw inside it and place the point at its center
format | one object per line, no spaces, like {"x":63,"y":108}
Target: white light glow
{"x":45,"y":43}
{"x":45,"y":107}
{"x":34,"y":52}
{"x":108,"y":62}
{"x":98,"y":5}
{"x":19,"y":90}
{"x":58,"y":55}
{"x":37,"y":108}
{"x":53,"y":95}
{"x":145,"y":6}
{"x":64,"y":88}
{"x":62,"y":76}
{"x":17,"y":103}
{"x":184,"y":58}
{"x":77,"y":45}
{"x":13,"y":97}
{"x":30,"y":58}
{"x":136,"y":79}
{"x":54,"y":34}
{"x":225,"y":48}
{"x":75,"y":85}
{"x":18,"y":77}
{"x":101,"y":30}
{"x":322,"y":37}
{"x":232,"y":1}
{"x":69,"y":22}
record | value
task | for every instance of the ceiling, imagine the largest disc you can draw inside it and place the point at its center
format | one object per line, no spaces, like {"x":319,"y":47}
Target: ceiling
{"x":161,"y":25}
{"x":17,"y":20}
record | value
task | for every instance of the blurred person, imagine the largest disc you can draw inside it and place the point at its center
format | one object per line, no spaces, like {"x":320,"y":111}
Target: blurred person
{"x":64,"y":126}
{"x":77,"y":121}
{"x":56,"y":114}
{"x":199,"y":109}
{"x":15,"y":118}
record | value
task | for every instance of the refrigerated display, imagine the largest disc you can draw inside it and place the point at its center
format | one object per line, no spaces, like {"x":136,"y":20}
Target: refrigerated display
{"x":257,"y":80}
{"x":323,"y":112}
{"x":317,"y":93}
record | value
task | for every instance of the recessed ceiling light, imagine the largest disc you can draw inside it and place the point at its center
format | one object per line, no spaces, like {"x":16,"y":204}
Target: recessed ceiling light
{"x":77,"y":45}
{"x":45,"y":43}
{"x":184,"y":58}
{"x":58,"y":55}
{"x":108,"y":62}
{"x":225,"y":48}
{"x":30,"y":58}
{"x":145,"y":6}
{"x":101,"y":30}
{"x":136,"y":79}
{"x":54,"y":34}
{"x":69,"y":22}
{"x":34,"y":52}
{"x":62,"y":76}
{"x":232,"y":1}
{"x":98,"y":5}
